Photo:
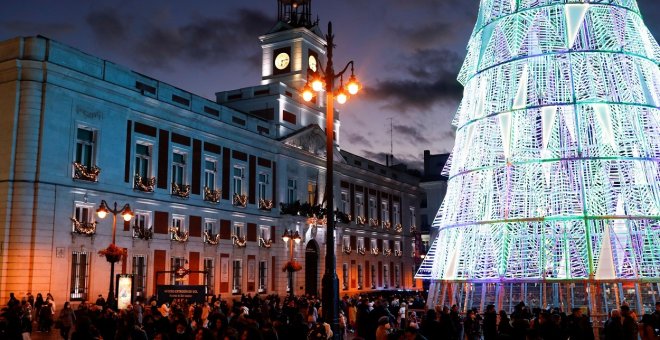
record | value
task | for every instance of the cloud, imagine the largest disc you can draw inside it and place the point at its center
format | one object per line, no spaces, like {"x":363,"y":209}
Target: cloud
{"x":430,"y":78}
{"x":108,"y":24}
{"x":358,"y":139}
{"x":412,"y":134}
{"x":199,"y":40}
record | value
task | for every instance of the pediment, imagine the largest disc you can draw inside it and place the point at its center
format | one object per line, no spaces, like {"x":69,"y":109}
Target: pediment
{"x":311,"y":139}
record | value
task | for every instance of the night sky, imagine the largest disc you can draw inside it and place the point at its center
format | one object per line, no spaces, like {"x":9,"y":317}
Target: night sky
{"x":407,"y":54}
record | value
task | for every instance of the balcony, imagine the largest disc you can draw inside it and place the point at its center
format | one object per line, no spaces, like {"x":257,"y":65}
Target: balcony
{"x":85,"y":173}
{"x":180,"y":190}
{"x":178,"y":235}
{"x":265,"y":243}
{"x":238,"y":241}
{"x":361,"y":250}
{"x":143,"y":233}
{"x":398,"y":228}
{"x":211,"y":238}
{"x":374,"y":223}
{"x":83,"y":228}
{"x":387,"y":225}
{"x":387,"y":252}
{"x":265,"y":205}
{"x":346,"y":249}
{"x":144,"y":184}
{"x":240,"y":200}
{"x":361,"y":220}
{"x":375,"y":251}
{"x":212,"y":196}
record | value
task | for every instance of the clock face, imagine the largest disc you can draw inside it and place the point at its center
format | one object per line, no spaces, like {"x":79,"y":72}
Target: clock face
{"x":312,"y":63}
{"x":282,"y":61}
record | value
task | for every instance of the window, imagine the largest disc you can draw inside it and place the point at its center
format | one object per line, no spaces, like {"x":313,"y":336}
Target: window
{"x":238,"y":229}
{"x":311,"y":192}
{"x":359,"y":275}
{"x":262,"y":186}
{"x":345,"y":275}
{"x":414,"y":248}
{"x":211,"y":226}
{"x":373,"y":276}
{"x":291,"y":188}
{"x":140,"y":274}
{"x":178,"y":222}
{"x":360,"y":242}
{"x":374,"y":243}
{"x":175,"y":263}
{"x":236,"y":275}
{"x":263,"y":275}
{"x":209,"y":278}
{"x":210,"y":171}
{"x":346,"y":241}
{"x":345,"y":202}
{"x":386,"y":245}
{"x":178,"y":168}
{"x":397,"y":247}
{"x":239,"y":175}
{"x":359,"y":205}
{"x":140,"y":222}
{"x":385,"y":275}
{"x":79,"y":276}
{"x":84,"y":213}
{"x":85,"y":147}
{"x":384,"y":211}
{"x":397,"y":281}
{"x":372,"y":207}
{"x":395,"y":214}
{"x":143,"y":160}
{"x":264,"y":232}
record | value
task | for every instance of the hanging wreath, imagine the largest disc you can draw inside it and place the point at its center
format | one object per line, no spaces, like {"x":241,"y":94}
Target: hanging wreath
{"x":112,"y":253}
{"x":292,"y":266}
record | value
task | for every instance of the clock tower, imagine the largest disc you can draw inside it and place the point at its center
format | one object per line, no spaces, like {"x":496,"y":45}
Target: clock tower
{"x":294,"y":48}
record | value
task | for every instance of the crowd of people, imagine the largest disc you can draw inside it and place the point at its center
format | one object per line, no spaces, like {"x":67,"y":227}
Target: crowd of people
{"x":372,"y":316}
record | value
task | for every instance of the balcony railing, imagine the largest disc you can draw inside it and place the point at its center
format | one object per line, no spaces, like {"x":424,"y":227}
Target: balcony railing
{"x":180,"y":190}
{"x":178,"y":235}
{"x":238,"y":241}
{"x":82,"y":172}
{"x":387,"y":252}
{"x":265,"y":243}
{"x":83,"y":228}
{"x":240,"y":200}
{"x":398,"y":228}
{"x":373,"y":222}
{"x":211,"y":238}
{"x":375,"y":251}
{"x":143,"y":233}
{"x":361,"y":220}
{"x":398,"y":253}
{"x":266,"y":205}
{"x":346,"y":249}
{"x":387,"y":225}
{"x":211,"y":195}
{"x":361,"y":250}
{"x":144,"y":184}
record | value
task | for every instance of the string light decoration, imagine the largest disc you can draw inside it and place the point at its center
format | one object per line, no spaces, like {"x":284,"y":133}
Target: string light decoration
{"x":554,"y":180}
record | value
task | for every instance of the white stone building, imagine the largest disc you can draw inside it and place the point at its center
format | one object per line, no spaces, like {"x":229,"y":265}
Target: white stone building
{"x":206,"y":178}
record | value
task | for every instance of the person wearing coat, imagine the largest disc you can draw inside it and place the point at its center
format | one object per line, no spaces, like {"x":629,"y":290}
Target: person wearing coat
{"x":66,"y":320}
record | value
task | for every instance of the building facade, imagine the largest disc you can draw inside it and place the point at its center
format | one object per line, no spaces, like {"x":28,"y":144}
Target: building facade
{"x":213,"y":185}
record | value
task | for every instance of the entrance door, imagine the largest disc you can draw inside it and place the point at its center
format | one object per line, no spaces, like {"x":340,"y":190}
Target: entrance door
{"x":312,"y":268}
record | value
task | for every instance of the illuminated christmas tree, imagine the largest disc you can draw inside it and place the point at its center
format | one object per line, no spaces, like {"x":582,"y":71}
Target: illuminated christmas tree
{"x":554,"y":181}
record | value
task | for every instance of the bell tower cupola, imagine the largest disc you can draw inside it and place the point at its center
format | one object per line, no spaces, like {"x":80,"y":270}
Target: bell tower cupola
{"x":294,"y":48}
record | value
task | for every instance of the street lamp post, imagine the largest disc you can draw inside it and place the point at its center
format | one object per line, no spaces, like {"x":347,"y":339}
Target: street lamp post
{"x":127,"y":215}
{"x":294,"y":237}
{"x":330,"y":282}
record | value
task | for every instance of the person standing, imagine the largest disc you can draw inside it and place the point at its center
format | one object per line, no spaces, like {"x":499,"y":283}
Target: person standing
{"x":66,"y":319}
{"x":630,"y":330}
{"x":490,"y":323}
